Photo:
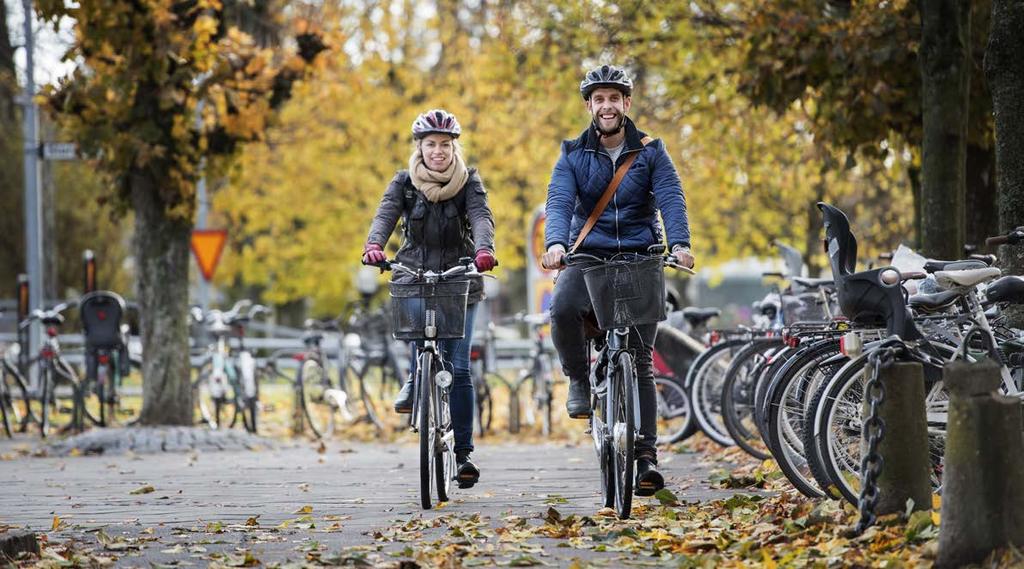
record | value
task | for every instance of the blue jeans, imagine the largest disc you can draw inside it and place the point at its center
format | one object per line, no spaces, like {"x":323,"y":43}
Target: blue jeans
{"x":455,"y":354}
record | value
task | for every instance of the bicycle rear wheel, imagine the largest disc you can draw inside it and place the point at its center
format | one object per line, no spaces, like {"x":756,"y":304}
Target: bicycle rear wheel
{"x":624,"y":398}
{"x":16,"y":404}
{"x":424,"y":391}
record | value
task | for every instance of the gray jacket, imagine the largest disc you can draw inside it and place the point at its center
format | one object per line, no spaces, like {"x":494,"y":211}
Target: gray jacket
{"x":435,"y":235}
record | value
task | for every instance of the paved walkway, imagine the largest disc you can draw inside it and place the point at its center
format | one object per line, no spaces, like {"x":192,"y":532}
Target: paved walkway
{"x":187,"y":506}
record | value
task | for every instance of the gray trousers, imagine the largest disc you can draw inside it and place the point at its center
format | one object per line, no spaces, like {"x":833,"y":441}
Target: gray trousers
{"x":569,"y":305}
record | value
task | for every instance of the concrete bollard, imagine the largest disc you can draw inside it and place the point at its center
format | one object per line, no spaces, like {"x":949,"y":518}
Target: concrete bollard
{"x":982,"y":505}
{"x":904,"y":449}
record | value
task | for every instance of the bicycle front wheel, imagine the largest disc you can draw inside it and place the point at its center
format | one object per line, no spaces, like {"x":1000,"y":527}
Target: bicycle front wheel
{"x":622,"y":422}
{"x":424,"y":390}
{"x":444,"y":445}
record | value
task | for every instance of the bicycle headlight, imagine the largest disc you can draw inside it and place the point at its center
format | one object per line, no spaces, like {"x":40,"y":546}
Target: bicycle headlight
{"x":443,"y":379}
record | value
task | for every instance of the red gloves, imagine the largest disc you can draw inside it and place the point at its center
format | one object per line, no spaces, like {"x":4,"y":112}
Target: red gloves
{"x":485,"y":260}
{"x":373,"y":254}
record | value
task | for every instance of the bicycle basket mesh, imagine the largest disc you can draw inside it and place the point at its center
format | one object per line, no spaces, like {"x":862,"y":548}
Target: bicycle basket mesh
{"x":412,"y":302}
{"x":805,"y":307}
{"x":626,"y":293}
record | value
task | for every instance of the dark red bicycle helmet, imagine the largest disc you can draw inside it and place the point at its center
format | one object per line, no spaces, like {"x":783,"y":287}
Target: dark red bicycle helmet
{"x":606,"y":76}
{"x":436,"y":121}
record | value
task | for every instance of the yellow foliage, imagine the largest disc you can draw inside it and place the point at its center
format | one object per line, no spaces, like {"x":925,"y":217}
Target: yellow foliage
{"x":299,"y":203}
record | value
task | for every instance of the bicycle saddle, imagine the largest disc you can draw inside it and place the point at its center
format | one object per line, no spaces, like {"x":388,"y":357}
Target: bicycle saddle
{"x":698,"y":316}
{"x":934,"y":302}
{"x":811,"y":284}
{"x":933,"y":266}
{"x":1007,"y":289}
{"x":968,"y":278}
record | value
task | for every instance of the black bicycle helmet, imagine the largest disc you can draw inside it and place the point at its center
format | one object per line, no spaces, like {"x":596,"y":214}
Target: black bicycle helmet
{"x":606,"y":76}
{"x":436,"y":121}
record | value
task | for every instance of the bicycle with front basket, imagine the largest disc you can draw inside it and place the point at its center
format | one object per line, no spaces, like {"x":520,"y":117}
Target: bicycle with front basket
{"x":623,"y":297}
{"x":430,"y":309}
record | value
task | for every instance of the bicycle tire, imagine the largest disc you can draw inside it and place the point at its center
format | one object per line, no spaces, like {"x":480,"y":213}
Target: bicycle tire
{"x":779,"y":360}
{"x":368,"y":405}
{"x":46,"y":386}
{"x":15,"y":384}
{"x":828,"y":465}
{"x":702,"y":393}
{"x":313,"y":383}
{"x":444,"y":454}
{"x":745,"y":372}
{"x":624,"y":408}
{"x":788,"y":400}
{"x":426,"y":429}
{"x":673,"y":410}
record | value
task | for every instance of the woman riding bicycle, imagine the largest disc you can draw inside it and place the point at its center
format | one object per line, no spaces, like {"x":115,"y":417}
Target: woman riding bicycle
{"x":445,"y":217}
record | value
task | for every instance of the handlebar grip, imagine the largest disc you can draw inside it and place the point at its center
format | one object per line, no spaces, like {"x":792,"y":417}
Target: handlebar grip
{"x":998,"y":240}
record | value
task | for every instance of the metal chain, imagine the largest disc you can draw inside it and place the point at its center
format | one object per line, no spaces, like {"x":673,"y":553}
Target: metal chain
{"x":873,"y":430}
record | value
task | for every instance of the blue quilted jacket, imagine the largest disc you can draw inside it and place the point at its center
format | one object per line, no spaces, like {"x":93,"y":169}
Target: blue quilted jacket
{"x":630,"y":221}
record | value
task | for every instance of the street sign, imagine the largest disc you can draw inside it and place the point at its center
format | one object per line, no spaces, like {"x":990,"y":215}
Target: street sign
{"x":58,"y":151}
{"x":207,"y":245}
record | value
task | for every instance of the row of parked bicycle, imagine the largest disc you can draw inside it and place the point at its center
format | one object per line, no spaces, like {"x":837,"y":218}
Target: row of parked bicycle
{"x":792,"y":388}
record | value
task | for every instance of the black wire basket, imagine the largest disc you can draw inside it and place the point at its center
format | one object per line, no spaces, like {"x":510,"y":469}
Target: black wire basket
{"x":626,"y":293}
{"x":429,"y":311}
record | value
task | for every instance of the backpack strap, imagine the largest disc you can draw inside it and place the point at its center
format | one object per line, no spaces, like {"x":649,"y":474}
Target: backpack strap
{"x":602,"y":203}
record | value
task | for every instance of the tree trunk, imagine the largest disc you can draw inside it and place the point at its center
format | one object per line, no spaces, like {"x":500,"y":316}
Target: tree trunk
{"x":982,"y":207}
{"x":8,"y":84}
{"x":1004,"y":69}
{"x":945,"y":86}
{"x":161,"y":264}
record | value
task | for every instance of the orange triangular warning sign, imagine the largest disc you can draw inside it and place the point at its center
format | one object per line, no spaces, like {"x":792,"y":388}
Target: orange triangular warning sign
{"x":207,"y":245}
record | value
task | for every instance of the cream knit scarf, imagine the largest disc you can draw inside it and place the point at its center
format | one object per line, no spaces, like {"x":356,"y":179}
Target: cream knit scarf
{"x":438,"y":186}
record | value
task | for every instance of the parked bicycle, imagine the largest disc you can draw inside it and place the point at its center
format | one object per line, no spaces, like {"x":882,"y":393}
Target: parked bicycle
{"x":58,"y":381}
{"x":107,"y":362}
{"x":621,"y":301}
{"x":226,"y":386}
{"x":320,"y":399}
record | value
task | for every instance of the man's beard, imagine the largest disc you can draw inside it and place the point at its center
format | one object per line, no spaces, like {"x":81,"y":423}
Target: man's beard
{"x":603,"y":132}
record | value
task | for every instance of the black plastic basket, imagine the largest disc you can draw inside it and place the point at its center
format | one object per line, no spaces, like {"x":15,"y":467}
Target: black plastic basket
{"x":443,"y":303}
{"x":626,"y":293}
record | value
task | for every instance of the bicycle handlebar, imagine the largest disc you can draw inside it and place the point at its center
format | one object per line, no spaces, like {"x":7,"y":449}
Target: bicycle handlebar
{"x":669,"y":260}
{"x":1013,"y":237}
{"x":465,"y":268}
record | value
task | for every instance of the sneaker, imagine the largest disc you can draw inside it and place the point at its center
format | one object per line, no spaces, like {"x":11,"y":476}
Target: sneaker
{"x":467,"y":474}
{"x":648,"y":479}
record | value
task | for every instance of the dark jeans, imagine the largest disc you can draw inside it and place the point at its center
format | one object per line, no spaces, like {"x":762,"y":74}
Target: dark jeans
{"x":569,"y":305}
{"x":455,"y":354}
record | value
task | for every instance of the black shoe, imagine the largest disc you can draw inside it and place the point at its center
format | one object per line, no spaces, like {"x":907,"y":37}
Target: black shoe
{"x":648,"y":479}
{"x":467,"y":474}
{"x":578,"y":404}
{"x":403,"y":403}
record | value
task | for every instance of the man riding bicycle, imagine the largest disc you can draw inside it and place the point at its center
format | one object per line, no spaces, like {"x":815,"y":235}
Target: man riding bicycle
{"x":628,"y":223}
